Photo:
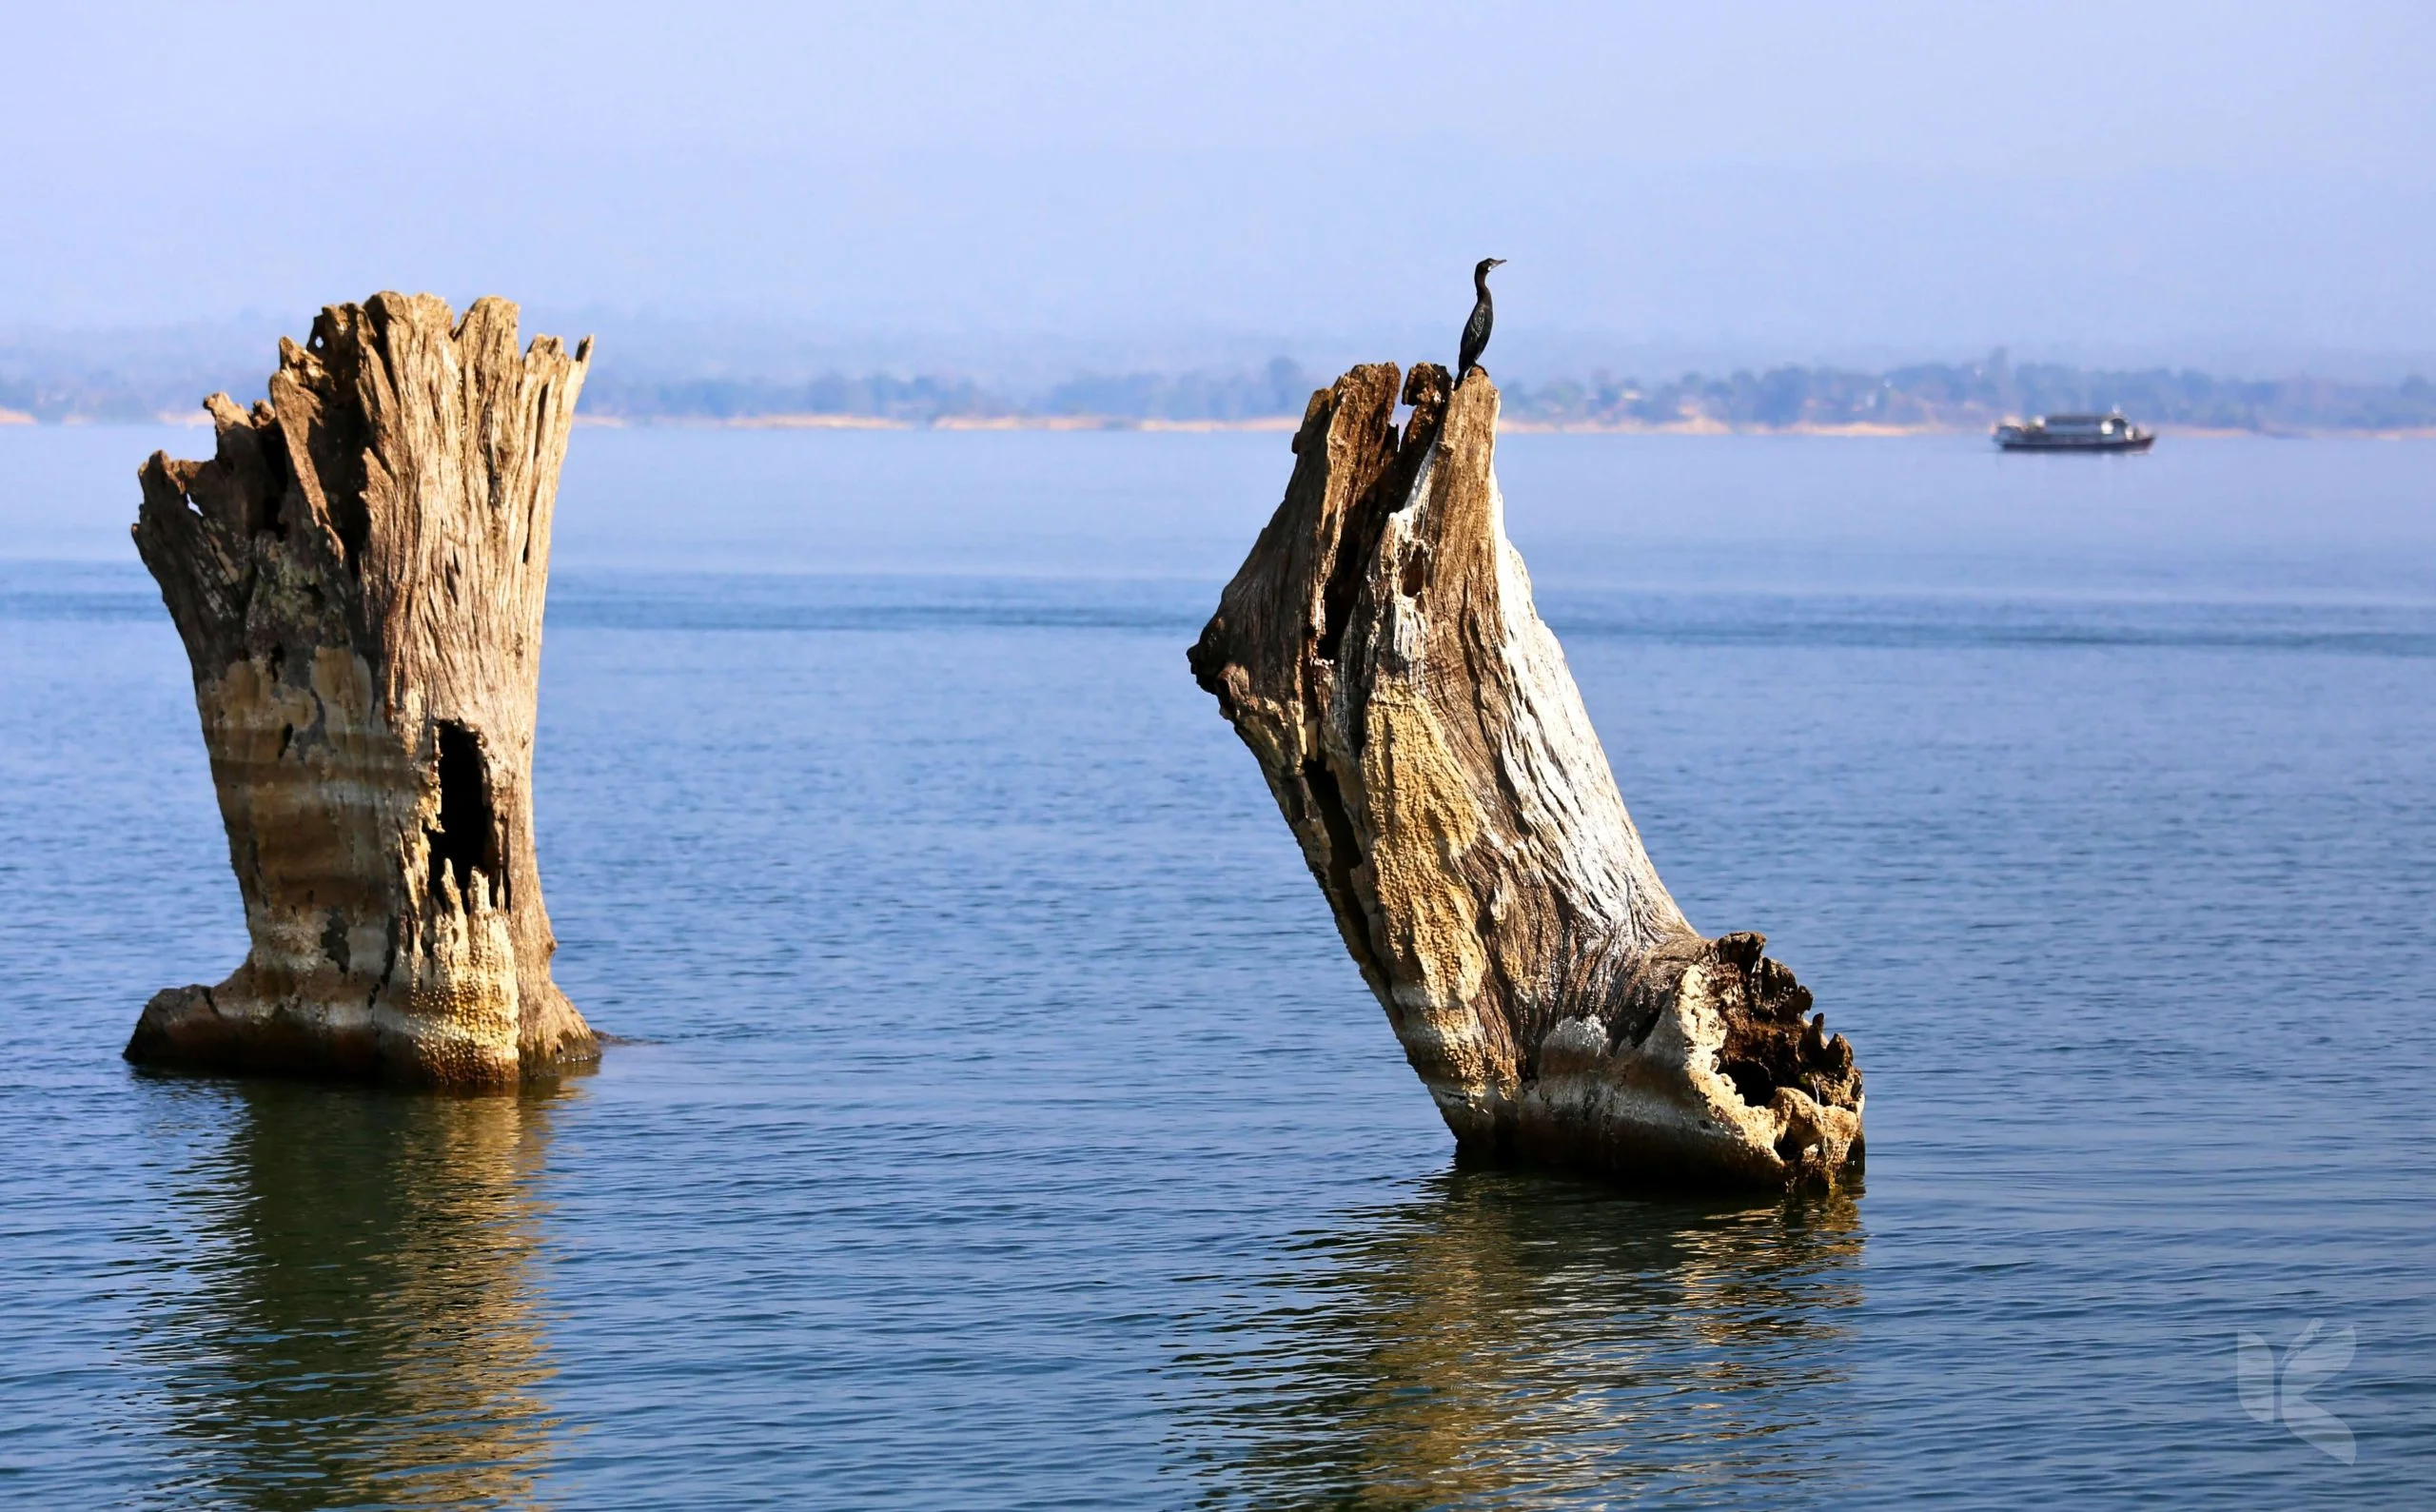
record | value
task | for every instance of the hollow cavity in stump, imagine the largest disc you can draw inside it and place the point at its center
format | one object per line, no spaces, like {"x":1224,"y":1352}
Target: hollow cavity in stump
{"x":1380,"y":655}
{"x":358,"y":575}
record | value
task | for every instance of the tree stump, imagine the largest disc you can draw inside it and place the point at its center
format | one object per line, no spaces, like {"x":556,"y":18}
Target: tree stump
{"x":358,"y":575}
{"x":1380,"y":654}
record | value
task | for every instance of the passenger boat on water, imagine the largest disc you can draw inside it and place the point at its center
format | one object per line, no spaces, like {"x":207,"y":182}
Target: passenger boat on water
{"x":2075,"y":433}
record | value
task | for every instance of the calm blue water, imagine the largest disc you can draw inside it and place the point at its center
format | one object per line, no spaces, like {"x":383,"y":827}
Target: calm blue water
{"x":1002,"y":1124}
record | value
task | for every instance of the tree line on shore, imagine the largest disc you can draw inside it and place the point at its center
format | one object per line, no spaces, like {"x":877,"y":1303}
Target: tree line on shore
{"x":1958,"y":396}
{"x":1922,"y":396}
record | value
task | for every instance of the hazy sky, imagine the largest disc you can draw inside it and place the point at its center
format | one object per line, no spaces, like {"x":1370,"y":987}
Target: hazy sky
{"x":2176,"y":181}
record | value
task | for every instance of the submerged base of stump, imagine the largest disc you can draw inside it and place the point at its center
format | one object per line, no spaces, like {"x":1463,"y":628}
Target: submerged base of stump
{"x":1380,"y":655}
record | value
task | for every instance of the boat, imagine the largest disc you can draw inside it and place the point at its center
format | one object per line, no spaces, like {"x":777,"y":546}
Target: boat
{"x":2110,"y":432}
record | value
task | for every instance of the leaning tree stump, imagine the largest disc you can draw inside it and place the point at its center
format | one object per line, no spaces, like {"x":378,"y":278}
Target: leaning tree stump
{"x":1379,"y":653}
{"x":358,"y":577}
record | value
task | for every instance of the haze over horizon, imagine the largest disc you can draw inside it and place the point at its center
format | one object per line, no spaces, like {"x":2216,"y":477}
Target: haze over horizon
{"x":2246,"y":187}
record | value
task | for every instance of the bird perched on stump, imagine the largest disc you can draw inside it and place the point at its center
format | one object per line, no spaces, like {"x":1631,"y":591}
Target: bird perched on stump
{"x":1484,"y":316}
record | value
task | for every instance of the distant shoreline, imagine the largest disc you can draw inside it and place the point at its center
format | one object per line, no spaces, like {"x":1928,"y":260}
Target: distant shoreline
{"x":1276,"y":424}
{"x":1284,"y":424}
{"x":1923,"y":399}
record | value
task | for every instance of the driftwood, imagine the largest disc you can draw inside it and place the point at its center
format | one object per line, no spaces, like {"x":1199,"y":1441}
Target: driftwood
{"x":358,"y":577}
{"x":1379,"y":653}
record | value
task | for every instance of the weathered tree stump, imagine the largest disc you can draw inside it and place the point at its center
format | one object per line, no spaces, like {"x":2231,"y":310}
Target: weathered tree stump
{"x":358,"y":575}
{"x":1380,"y":654}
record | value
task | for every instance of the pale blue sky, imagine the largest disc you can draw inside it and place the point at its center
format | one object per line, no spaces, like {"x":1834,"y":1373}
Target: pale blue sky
{"x":2238,"y":183}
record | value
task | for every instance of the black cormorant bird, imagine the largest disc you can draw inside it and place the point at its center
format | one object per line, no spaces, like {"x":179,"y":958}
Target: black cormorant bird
{"x":1484,"y":316}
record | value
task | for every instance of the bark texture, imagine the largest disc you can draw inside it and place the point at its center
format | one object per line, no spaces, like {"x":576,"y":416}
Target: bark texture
{"x":1380,"y":654}
{"x":358,"y":575}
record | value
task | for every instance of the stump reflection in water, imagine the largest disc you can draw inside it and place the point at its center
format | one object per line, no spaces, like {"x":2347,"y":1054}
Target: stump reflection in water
{"x":1507,"y":1337}
{"x":359,"y":1321}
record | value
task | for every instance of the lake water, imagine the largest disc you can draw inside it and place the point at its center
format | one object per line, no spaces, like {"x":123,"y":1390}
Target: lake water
{"x":1002,"y":1124}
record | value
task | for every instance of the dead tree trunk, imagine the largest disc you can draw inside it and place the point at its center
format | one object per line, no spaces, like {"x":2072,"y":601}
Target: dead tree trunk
{"x":358,"y":575}
{"x":1380,"y":655}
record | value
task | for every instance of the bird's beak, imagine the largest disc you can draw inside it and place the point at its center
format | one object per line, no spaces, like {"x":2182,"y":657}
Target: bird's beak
{"x":1497,"y":262}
